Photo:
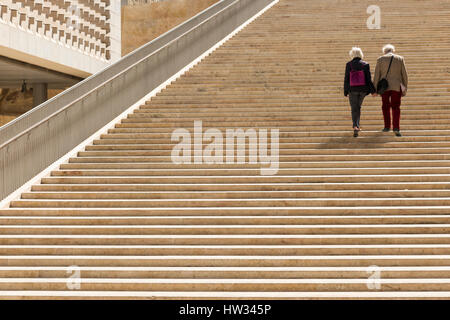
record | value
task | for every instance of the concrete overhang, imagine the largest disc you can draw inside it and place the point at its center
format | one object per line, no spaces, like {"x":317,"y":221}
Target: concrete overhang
{"x":14,"y":72}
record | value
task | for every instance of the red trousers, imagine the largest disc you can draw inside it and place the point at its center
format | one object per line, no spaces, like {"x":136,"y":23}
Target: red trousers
{"x":392,"y":100}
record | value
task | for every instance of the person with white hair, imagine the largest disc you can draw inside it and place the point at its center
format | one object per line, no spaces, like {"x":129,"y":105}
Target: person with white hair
{"x":391,"y":79}
{"x":357,"y":85}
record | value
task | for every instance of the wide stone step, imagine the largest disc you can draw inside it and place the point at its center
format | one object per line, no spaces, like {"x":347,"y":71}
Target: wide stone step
{"x":229,"y":212}
{"x":234,"y":220}
{"x":259,"y":99}
{"x":204,"y":295}
{"x":283,"y":158}
{"x":371,"y":108}
{"x":210,"y":250}
{"x":235,"y":194}
{"x":145,"y":128}
{"x":226,"y":273}
{"x":284,"y":285}
{"x":226,"y":229}
{"x":227,"y":261}
{"x":287,"y":117}
{"x":201,"y":240}
{"x":242,"y":123}
{"x":256,"y":171}
{"x":343,"y":149}
{"x":247,"y":179}
{"x":429,"y":135}
{"x":314,"y":127}
{"x":95,"y":163}
{"x":244,"y":187}
{"x":292,"y":142}
{"x":331,"y":144}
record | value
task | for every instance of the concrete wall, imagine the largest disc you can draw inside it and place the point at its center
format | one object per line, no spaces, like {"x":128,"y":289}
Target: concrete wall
{"x":21,"y":45}
{"x":27,"y":34}
{"x":116,"y":30}
{"x":138,"y":2}
{"x":38,"y":138}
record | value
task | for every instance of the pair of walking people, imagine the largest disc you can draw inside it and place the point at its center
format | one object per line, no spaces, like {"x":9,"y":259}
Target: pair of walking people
{"x":391,"y":82}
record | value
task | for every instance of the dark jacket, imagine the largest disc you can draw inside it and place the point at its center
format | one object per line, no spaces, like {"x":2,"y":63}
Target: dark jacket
{"x":358,"y":64}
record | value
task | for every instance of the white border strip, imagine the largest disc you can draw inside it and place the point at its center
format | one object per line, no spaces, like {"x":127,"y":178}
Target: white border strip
{"x":64,"y":159}
{"x":226,"y":295}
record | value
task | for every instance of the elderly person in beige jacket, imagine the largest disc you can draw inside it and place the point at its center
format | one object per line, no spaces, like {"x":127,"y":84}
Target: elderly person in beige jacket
{"x":398,"y":85}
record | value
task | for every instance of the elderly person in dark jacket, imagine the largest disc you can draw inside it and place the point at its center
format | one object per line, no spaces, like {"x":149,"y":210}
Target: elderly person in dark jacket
{"x":357,"y":85}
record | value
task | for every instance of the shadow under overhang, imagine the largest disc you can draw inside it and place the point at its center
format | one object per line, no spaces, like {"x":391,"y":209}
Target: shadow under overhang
{"x":14,"y":72}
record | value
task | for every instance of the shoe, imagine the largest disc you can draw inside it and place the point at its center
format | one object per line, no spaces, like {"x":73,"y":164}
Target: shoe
{"x":397,"y":133}
{"x":386,"y":129}
{"x":355,"y":133}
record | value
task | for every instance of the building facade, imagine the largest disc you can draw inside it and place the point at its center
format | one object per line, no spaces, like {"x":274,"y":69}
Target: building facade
{"x":73,"y":37}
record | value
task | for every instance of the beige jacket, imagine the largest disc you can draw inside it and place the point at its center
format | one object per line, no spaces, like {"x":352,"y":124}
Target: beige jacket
{"x":398,"y":74}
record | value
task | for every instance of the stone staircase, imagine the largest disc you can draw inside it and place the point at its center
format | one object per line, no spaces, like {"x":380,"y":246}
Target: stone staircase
{"x":344,"y":217}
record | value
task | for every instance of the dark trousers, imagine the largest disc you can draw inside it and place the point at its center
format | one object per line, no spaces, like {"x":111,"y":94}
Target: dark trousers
{"x":356,"y":100}
{"x":392,"y":100}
